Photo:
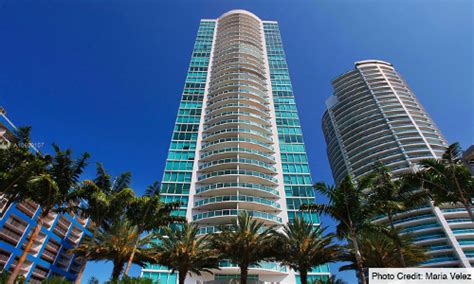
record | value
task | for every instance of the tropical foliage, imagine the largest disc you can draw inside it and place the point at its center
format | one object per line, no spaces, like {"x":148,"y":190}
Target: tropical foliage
{"x":182,"y":251}
{"x":389,"y":196}
{"x":346,"y":205}
{"x":46,"y":180}
{"x":304,"y":246}
{"x":380,"y":250}
{"x":447,"y":180}
{"x":245,"y":242}
{"x":128,"y":229}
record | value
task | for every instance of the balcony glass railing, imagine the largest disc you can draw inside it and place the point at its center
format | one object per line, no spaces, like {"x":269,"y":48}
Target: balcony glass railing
{"x":237,"y":150}
{"x":239,"y":121}
{"x":239,"y":198}
{"x":235,"y":212}
{"x":240,"y":161}
{"x":238,"y":130}
{"x":420,"y":227}
{"x":237,"y":113}
{"x":237,"y":139}
{"x":466,"y":242}
{"x":262,"y":265}
{"x":253,"y":186}
{"x":438,"y":247}
{"x":238,"y":172}
{"x":428,"y":237}
{"x":459,"y":220}
{"x":463,"y":231}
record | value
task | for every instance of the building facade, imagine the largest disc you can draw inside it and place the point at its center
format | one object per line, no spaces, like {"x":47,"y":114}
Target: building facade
{"x":50,"y":254}
{"x":374,"y":116}
{"x":237,"y":144}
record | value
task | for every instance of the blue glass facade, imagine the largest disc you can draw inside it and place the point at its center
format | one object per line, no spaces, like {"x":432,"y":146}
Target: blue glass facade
{"x":296,"y":172}
{"x":176,"y":181}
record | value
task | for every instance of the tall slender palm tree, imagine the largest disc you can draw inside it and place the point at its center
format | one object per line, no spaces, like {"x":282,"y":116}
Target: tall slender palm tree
{"x":245,"y":242}
{"x":379,"y":250}
{"x":345,"y":205}
{"x":184,"y":252}
{"x":51,"y":188}
{"x":149,"y":213}
{"x":116,"y":244}
{"x":389,"y":196}
{"x":447,"y":180}
{"x":103,"y":201}
{"x":303,"y":246}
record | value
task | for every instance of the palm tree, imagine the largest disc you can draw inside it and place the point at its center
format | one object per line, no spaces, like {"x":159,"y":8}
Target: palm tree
{"x":245,"y":242}
{"x":116,"y":244}
{"x":103,"y":201}
{"x":303,"y":246}
{"x":379,"y":250}
{"x":390,"y":196}
{"x":345,"y":205}
{"x":183,"y":251}
{"x":149,"y":213}
{"x":17,"y":166}
{"x":51,"y":188}
{"x":447,"y":180}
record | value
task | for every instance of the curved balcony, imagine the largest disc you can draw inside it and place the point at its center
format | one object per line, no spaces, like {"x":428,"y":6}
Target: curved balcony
{"x":215,"y":110}
{"x":238,"y":60}
{"x":240,"y":69}
{"x":238,"y":86}
{"x":241,"y":75}
{"x":231,"y":201}
{"x":217,"y":229}
{"x":238,"y":98}
{"x":231,"y":175}
{"x":243,"y":132}
{"x":237,"y":81}
{"x":232,"y":151}
{"x":229,"y":123}
{"x":231,"y":188}
{"x":249,"y":164}
{"x":227,"y":215}
{"x":261,"y":268}
{"x":234,"y":141}
{"x":237,"y":114}
{"x":240,"y":92}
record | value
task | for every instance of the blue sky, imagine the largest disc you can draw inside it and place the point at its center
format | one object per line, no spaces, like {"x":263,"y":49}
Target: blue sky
{"x":106,"y":76}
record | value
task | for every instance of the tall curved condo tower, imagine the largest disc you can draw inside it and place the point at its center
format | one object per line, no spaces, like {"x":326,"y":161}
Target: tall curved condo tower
{"x":374,"y":116}
{"x":237,"y":144}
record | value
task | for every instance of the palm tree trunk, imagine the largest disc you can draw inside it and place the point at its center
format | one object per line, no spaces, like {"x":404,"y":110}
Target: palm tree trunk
{"x":358,"y":256}
{"x":34,"y":235}
{"x":182,"y":276}
{"x":84,"y":261}
{"x":130,"y":259}
{"x":244,"y":270}
{"x":303,"y":276}
{"x":118,"y":267}
{"x":397,"y":240}
{"x":81,"y":271}
{"x":468,"y":207}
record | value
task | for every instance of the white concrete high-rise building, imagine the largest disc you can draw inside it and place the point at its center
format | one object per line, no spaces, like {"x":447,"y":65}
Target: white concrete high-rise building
{"x":374,"y":116}
{"x":237,"y":144}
